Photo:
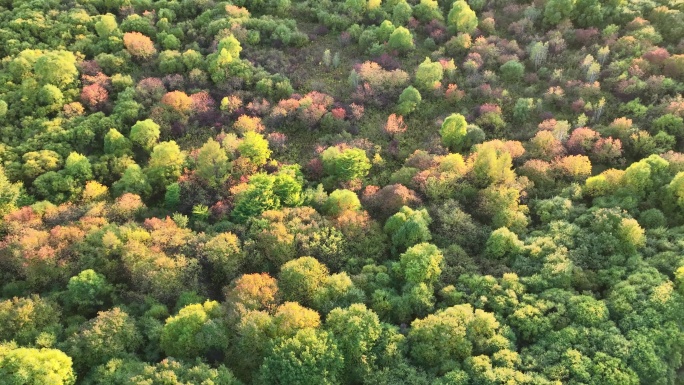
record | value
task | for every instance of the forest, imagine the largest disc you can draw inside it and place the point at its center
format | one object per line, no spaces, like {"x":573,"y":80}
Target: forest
{"x":352,"y":192}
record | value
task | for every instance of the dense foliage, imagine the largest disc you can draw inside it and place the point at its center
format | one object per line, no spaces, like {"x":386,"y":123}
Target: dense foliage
{"x":471,"y":192}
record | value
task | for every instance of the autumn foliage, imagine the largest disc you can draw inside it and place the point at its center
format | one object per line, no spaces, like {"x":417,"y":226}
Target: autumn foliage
{"x":94,"y":96}
{"x":178,"y":101}
{"x":395,"y":125}
{"x":139,"y":45}
{"x":356,"y":192}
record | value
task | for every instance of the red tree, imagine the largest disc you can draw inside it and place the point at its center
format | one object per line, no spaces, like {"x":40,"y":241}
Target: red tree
{"x":150,"y":89}
{"x":607,"y":149}
{"x":581,"y":140}
{"x":657,"y":56}
{"x":202,"y":102}
{"x":94,"y":96}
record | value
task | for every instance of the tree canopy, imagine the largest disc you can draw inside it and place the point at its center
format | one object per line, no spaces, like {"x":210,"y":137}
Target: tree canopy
{"x":356,"y":192}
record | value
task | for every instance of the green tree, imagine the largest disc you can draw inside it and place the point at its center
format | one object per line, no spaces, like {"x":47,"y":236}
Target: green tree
{"x":9,"y":193}
{"x":355,"y":8}
{"x":672,"y":124}
{"x":300,"y":279}
{"x":39,"y":162}
{"x":667,"y":20}
{"x":401,"y":13}
{"x":253,"y":337}
{"x":28,"y":366}
{"x":56,"y":187}
{"x":57,"y":68}
{"x":428,"y":74}
{"x":492,"y":166}
{"x":676,"y":189}
{"x":88,"y":291}
{"x":611,"y":371}
{"x":134,"y":181}
{"x":165,"y":166}
{"x":340,"y":201}
{"x":401,"y":40}
{"x":454,"y":131}
{"x":587,"y":311}
{"x":557,"y":10}
{"x":421,"y":263}
{"x":644,"y":177}
{"x":287,"y":186}
{"x":225,"y":255}
{"x":357,"y":330}
{"x":193,"y":60}
{"x":23,"y":320}
{"x":112,"y":334}
{"x":170,"y":62}
{"x":255,"y":148}
{"x":78,"y":167}
{"x":512,"y":71}
{"x":337,"y":290}
{"x":21,"y":66}
{"x":503,"y":243}
{"x":116,"y":144}
{"x":256,"y":197}
{"x":231,"y":45}
{"x":588,"y":13}
{"x":408,"y":101}
{"x":531,"y":321}
{"x":310,"y":357}
{"x":51,"y":97}
{"x":345,"y":165}
{"x":609,"y":238}
{"x":428,"y":10}
{"x":267,"y":7}
{"x":441,"y":341}
{"x":130,"y":371}
{"x":522,"y":109}
{"x":222,"y":66}
{"x":194,"y":331}
{"x":145,"y":134}
{"x":172,"y":196}
{"x":212,"y":163}
{"x":461,"y":18}
{"x":107,"y":26}
{"x":408,"y":227}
